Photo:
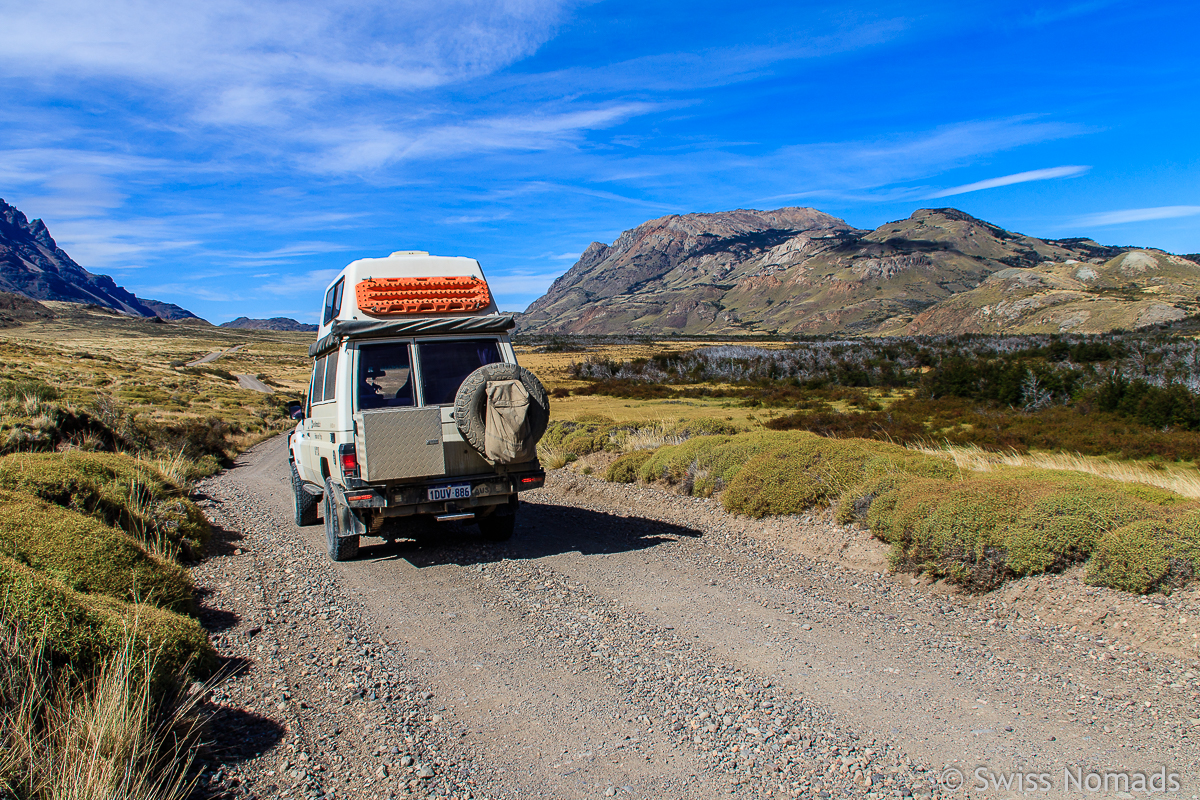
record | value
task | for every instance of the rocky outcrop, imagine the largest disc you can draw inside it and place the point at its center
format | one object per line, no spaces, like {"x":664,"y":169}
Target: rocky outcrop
{"x":32,"y":264}
{"x":798,"y":270}
{"x":272,"y":324}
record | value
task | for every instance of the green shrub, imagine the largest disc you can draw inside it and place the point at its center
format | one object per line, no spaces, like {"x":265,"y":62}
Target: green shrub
{"x":805,"y":470}
{"x":1132,"y":558}
{"x":88,"y":556}
{"x":625,"y":468}
{"x":115,"y":488}
{"x":81,"y":629}
{"x":986,"y":528}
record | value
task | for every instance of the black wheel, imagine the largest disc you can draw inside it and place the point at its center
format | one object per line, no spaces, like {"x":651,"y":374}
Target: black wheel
{"x":340,"y":548}
{"x":470,"y":403}
{"x":304,"y":504}
{"x":500,"y":524}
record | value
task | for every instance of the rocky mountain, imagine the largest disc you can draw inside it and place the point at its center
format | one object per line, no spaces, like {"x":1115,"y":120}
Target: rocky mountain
{"x":798,"y":270}
{"x":272,"y":324}
{"x":170,"y":311}
{"x":33,"y":265}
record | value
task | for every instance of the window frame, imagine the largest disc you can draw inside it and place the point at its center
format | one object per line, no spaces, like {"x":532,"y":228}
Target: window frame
{"x":414,"y":374}
{"x":504,"y":359}
{"x":333,"y":301}
{"x":503,"y":346}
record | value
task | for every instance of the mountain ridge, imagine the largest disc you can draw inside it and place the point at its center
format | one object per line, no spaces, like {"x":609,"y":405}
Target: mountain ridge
{"x":272,"y":324}
{"x":34,"y":266}
{"x":801,"y":271}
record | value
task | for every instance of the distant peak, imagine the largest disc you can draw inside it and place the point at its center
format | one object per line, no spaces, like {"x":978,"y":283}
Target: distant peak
{"x":946,"y":213}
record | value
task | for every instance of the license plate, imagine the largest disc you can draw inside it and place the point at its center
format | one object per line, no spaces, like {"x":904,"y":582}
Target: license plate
{"x":458,"y":491}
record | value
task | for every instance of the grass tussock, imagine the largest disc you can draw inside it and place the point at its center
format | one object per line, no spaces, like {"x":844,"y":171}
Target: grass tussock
{"x":89,"y":556}
{"x":976,"y":529}
{"x":117,"y":489}
{"x":100,"y":734}
{"x":82,"y":629}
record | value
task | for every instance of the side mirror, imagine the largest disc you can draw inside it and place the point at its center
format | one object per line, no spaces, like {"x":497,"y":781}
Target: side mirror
{"x":296,"y":411}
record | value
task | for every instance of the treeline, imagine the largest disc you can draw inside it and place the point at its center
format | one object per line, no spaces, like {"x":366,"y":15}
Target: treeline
{"x":1005,"y":391}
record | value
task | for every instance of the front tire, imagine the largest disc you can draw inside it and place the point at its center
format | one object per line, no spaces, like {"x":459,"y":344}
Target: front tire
{"x":303,"y":503}
{"x":340,"y":548}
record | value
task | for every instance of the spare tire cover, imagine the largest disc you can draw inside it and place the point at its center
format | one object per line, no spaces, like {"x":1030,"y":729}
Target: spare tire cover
{"x":470,"y":404}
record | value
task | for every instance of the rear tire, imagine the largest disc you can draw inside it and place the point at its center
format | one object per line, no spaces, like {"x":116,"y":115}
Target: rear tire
{"x":340,"y":548}
{"x":304,"y":504}
{"x":500,"y":524}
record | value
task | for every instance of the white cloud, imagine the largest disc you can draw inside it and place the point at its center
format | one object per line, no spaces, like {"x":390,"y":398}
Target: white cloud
{"x":1137,"y":215}
{"x":1009,"y":180}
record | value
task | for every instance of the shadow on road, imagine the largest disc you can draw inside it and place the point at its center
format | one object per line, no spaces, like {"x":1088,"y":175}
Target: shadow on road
{"x":542,"y":530}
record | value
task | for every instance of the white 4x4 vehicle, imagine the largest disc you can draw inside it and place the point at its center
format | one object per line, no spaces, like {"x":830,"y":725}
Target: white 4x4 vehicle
{"x":416,"y":405}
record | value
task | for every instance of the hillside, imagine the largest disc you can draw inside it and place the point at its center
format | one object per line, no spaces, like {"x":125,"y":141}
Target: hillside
{"x":171,"y":312}
{"x":16,"y":309}
{"x":34,"y":266}
{"x":272,"y":324}
{"x":798,"y":270}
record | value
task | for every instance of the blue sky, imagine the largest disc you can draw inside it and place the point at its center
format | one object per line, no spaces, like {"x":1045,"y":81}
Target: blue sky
{"x":230,"y":157}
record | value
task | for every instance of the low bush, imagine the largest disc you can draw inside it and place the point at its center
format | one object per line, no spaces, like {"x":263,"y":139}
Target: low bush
{"x":625,"y":468}
{"x":83,"y":629}
{"x":975,"y":529}
{"x":985,"y":529}
{"x":87,"y":555}
{"x":118,"y":489}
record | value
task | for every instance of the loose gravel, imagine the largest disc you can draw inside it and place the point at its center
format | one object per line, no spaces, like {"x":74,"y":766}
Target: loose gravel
{"x":631,"y":642}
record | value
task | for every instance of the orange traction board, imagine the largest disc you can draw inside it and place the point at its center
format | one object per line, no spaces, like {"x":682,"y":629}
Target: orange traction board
{"x":382,"y":296}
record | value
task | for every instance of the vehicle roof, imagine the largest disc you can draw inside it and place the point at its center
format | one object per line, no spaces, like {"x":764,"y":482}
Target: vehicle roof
{"x":402,"y":264}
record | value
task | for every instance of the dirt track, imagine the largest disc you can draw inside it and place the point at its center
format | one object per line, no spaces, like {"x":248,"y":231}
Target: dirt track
{"x":629,"y":642}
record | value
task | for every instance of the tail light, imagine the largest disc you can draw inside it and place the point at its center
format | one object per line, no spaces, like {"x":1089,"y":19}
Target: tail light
{"x":349,"y":460}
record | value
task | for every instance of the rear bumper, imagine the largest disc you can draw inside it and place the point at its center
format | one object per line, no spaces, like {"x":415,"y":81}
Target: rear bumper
{"x":413,"y":498}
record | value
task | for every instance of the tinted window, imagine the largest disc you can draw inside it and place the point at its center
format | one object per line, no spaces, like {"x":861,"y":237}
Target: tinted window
{"x":331,"y":376}
{"x":444,"y":366}
{"x":333,"y":302}
{"x":317,"y":389}
{"x":384,"y":376}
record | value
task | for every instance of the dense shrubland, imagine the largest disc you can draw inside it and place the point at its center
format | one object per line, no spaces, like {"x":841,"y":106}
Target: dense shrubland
{"x":1133,"y":395}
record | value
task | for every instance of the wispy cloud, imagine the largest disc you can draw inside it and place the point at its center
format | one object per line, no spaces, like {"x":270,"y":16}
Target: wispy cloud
{"x":1136,"y":215}
{"x":1009,"y":180}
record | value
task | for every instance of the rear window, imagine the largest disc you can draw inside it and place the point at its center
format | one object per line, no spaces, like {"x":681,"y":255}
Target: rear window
{"x":384,"y":376}
{"x":444,"y":366}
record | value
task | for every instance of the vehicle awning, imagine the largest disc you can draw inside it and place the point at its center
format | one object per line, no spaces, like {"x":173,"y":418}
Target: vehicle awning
{"x":370,"y":329}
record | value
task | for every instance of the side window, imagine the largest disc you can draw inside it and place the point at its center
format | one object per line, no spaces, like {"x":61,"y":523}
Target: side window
{"x":331,"y":364}
{"x":333,"y":302}
{"x":384,"y":376}
{"x":445,"y":365}
{"x":316,"y":392}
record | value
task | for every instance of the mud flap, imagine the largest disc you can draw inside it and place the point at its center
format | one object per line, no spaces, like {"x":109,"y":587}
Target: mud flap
{"x":350,"y":525}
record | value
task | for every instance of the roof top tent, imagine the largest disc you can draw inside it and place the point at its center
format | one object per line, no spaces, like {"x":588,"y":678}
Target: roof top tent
{"x":408,"y":283}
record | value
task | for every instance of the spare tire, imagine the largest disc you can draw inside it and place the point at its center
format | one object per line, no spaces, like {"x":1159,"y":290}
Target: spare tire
{"x":470,"y":404}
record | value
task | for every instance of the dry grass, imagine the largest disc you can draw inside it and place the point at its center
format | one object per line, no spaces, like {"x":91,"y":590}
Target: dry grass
{"x":102,"y":736}
{"x":1182,"y":480}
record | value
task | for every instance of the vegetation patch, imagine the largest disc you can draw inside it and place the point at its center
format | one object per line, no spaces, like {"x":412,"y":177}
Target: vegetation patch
{"x":625,"y":468}
{"x":118,"y":489}
{"x":87,"y":555}
{"x":1129,"y":395}
{"x":83,"y":629}
{"x":975,"y":529}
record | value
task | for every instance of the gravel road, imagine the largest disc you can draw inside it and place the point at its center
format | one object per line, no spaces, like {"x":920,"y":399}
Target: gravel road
{"x":629,"y":642}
